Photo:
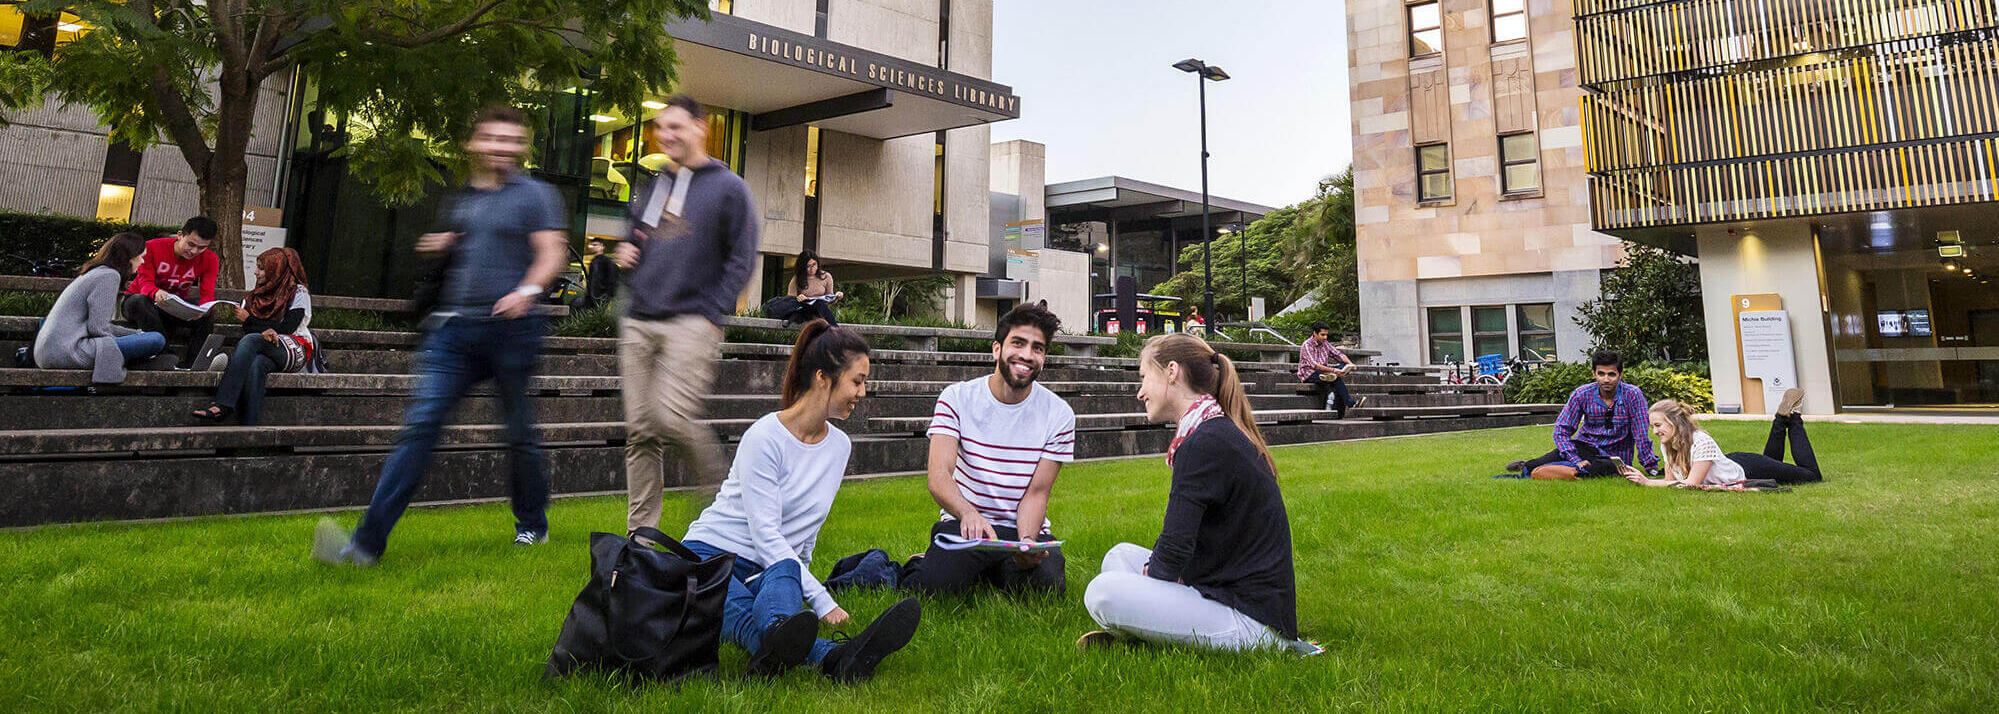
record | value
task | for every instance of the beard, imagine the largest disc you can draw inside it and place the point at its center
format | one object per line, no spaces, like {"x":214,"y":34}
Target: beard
{"x":1019,"y":382}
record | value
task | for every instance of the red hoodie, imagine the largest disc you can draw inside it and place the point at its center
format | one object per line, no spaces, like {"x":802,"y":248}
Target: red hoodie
{"x":163,"y":270}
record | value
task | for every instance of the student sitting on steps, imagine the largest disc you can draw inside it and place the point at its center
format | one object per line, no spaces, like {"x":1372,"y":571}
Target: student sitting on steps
{"x":996,"y":445}
{"x":1694,"y":460}
{"x":1220,"y":574}
{"x":78,"y":333}
{"x":770,"y":508}
{"x":275,"y":339}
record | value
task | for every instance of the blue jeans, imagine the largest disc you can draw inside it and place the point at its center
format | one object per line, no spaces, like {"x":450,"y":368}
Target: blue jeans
{"x":759,"y":597}
{"x":456,"y":356}
{"x":142,"y":346}
{"x":242,"y":385}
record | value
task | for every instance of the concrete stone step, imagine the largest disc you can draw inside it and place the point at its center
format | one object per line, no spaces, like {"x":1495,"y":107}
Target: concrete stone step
{"x":1127,"y":420}
{"x":165,"y":486}
{"x":1461,"y":410}
{"x":169,"y":411}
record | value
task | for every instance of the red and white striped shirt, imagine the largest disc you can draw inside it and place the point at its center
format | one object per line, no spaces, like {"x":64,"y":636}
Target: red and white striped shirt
{"x":999,"y":444}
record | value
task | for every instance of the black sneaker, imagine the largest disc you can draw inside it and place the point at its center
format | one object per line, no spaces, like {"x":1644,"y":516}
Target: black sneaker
{"x":855,"y":659}
{"x":786,"y":644}
{"x":1516,"y":466}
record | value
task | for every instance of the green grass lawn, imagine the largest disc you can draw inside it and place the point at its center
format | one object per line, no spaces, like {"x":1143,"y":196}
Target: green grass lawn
{"x":1432,"y":586}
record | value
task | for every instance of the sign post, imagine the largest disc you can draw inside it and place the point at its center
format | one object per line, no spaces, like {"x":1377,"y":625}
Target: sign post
{"x":262,"y":230}
{"x":1764,"y":350}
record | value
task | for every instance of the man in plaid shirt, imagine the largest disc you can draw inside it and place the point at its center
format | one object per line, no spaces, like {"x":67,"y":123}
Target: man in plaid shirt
{"x":1604,"y":419}
{"x":1323,"y":366}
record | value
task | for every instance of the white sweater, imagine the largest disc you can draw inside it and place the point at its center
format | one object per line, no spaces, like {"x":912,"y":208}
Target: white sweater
{"x":777,"y":496}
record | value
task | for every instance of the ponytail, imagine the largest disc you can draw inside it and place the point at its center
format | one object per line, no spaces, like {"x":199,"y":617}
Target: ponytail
{"x":820,"y":348}
{"x":1212,"y":373}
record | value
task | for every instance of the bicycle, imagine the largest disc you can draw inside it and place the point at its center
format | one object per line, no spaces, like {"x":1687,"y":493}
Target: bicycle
{"x":43,"y":268}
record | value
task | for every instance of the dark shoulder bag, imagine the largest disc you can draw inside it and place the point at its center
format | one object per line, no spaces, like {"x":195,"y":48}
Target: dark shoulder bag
{"x":653,"y":614}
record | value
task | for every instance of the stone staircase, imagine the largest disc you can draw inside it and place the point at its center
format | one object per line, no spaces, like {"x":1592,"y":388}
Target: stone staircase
{"x":73,"y":452}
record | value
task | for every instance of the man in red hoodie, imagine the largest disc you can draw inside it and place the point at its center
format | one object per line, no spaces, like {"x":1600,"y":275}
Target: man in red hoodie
{"x":177,"y":265}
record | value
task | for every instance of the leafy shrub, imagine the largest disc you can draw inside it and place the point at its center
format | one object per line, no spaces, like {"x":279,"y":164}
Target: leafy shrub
{"x":26,"y":304}
{"x":594,"y":322}
{"x":38,"y":237}
{"x":1553,"y":384}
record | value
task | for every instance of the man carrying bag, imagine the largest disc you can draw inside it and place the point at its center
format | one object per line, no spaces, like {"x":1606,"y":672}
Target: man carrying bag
{"x":656,"y":614}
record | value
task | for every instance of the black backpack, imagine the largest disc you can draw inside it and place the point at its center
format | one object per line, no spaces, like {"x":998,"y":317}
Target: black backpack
{"x":652,"y":614}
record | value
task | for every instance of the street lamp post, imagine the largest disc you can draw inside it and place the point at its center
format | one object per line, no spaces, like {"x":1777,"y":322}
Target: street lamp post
{"x":1204,"y":73}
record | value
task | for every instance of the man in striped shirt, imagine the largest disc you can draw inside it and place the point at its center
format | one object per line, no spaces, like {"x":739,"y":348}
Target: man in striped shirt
{"x":996,"y":444}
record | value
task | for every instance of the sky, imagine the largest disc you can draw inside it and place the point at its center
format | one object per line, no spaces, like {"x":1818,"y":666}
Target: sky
{"x":1097,"y":86}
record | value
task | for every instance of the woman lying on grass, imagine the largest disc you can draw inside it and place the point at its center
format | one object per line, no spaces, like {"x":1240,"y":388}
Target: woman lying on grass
{"x":768,"y":513}
{"x":1694,"y":460}
{"x":1220,"y":575}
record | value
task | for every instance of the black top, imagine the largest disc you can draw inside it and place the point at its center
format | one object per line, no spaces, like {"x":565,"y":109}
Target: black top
{"x":603,"y":278}
{"x":1226,"y":531}
{"x":253,"y":324}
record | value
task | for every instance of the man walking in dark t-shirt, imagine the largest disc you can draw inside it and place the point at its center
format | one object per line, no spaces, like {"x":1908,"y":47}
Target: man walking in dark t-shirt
{"x":693,"y":245}
{"x":506,"y":244}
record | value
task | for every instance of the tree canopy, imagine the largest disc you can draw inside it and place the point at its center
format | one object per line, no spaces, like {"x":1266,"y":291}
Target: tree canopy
{"x":189,"y":73}
{"x":1299,"y":250}
{"x":1650,"y":308}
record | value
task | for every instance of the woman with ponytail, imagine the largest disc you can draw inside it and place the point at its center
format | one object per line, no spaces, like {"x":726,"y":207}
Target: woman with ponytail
{"x":1220,"y":575}
{"x":1694,"y":460}
{"x":770,"y":508}
{"x":275,"y":339}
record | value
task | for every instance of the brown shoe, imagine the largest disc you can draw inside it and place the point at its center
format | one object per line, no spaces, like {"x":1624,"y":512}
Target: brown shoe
{"x":1794,"y":399}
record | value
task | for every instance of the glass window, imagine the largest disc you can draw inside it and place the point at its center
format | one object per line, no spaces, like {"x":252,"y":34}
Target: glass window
{"x":11,"y":22}
{"x":811,"y":162}
{"x":1537,"y":331}
{"x":1509,"y":20}
{"x":1519,"y":163}
{"x":1447,"y":337}
{"x":69,"y":27}
{"x":114,"y":203}
{"x":1488,"y":326}
{"x":1433,"y":172}
{"x":1426,"y":31}
{"x":722,"y":7}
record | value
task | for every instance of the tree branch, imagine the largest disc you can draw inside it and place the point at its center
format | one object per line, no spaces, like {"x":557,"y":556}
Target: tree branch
{"x":464,"y":24}
{"x":180,"y":123}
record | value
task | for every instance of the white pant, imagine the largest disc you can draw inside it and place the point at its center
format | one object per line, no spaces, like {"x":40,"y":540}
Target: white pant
{"x":1124,"y":600}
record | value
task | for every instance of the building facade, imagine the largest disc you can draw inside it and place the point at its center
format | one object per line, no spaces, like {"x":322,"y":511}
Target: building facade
{"x":1835,"y":164}
{"x":1472,"y":218}
{"x":860,"y":126}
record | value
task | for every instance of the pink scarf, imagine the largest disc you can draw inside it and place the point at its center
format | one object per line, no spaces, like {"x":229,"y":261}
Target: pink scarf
{"x":1201,"y":410}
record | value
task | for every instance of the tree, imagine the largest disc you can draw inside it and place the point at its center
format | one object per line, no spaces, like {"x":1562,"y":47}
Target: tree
{"x":1269,"y":274}
{"x":1320,"y":246}
{"x":1650,"y":309}
{"x":188,"y":72}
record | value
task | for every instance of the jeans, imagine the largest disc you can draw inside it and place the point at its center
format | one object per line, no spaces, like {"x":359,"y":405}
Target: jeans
{"x":242,"y":387}
{"x":759,"y":597}
{"x":815,"y":311}
{"x":1335,"y":393}
{"x":146,"y":316}
{"x":1590,"y":461}
{"x":456,"y":356}
{"x":1770,"y":465}
{"x":1126,"y":601}
{"x":943,"y":571}
{"x":141,"y":347}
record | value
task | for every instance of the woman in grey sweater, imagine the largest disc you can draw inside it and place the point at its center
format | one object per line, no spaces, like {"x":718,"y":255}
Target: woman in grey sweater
{"x":78,"y":333}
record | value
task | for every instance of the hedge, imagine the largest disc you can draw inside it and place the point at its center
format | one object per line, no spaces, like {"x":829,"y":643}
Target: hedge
{"x":1553,"y":384}
{"x":39,"y":236}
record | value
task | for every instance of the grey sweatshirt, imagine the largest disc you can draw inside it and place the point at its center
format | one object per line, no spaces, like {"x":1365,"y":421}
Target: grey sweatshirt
{"x":78,"y":333}
{"x":698,"y":262}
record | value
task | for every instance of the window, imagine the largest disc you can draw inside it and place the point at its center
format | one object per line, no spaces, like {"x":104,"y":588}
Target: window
{"x":1537,"y":331}
{"x":944,"y":34}
{"x":1509,"y":20}
{"x":812,"y":143}
{"x":1447,"y":335}
{"x":1488,"y":331}
{"x":1519,"y":163}
{"x":115,"y":189}
{"x":1426,"y":29}
{"x":819,"y":21}
{"x":114,"y":203}
{"x":722,"y":7}
{"x":12,"y":22}
{"x":1433,"y":172}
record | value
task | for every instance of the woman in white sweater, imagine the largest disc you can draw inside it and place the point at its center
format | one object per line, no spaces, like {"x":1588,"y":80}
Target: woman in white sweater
{"x":1694,"y":460}
{"x":78,"y":333}
{"x":768,"y":513}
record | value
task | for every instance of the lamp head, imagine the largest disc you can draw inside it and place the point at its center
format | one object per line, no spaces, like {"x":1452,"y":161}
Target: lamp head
{"x":1190,"y":65}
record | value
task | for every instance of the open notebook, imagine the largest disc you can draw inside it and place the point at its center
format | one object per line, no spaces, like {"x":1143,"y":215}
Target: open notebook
{"x":950,"y":541}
